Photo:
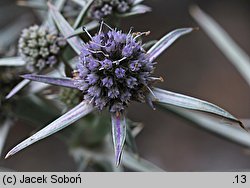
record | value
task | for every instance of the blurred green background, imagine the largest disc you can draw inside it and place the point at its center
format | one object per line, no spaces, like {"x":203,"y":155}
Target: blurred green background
{"x":193,"y":66}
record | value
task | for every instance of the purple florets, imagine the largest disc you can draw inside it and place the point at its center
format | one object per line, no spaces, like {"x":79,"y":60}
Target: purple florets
{"x":104,"y":8}
{"x":113,"y":70}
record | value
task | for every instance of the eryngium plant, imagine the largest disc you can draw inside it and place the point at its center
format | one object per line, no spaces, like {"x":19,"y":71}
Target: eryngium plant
{"x":40,"y":47}
{"x":114,"y":70}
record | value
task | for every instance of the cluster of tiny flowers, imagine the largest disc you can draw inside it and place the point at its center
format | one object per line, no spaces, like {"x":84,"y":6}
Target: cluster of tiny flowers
{"x":113,"y":70}
{"x":70,"y":97}
{"x":103,"y":8}
{"x":39,"y":47}
{"x":8,"y":79}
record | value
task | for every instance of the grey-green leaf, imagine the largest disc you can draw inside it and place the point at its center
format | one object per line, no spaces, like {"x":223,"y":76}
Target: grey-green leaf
{"x":137,"y":9}
{"x":118,"y":134}
{"x":223,"y":41}
{"x":32,"y":4}
{"x":82,"y":14}
{"x":12,"y":61}
{"x":213,"y":125}
{"x":136,"y":163}
{"x":176,"y":99}
{"x":65,"y":120}
{"x":80,"y":2}
{"x":130,"y":140}
{"x":136,"y":2}
{"x":18,"y":88}
{"x":166,"y":41}
{"x":89,"y":26}
{"x":65,"y":29}
{"x":4,"y":129}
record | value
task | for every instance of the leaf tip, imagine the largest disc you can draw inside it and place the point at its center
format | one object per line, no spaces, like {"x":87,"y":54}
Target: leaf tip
{"x":10,"y":153}
{"x":193,"y":8}
{"x":118,"y":158}
{"x":49,"y":4}
{"x":8,"y":96}
{"x":27,"y":76}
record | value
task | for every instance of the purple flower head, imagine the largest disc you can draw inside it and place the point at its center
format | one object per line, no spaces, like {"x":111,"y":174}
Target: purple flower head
{"x":113,"y":66}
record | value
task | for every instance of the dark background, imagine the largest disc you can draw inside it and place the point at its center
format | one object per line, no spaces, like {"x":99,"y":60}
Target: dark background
{"x":193,"y":66}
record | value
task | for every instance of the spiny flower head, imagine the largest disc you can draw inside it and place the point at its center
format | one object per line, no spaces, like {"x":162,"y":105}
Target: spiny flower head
{"x":113,"y":70}
{"x":104,"y":8}
{"x":40,"y":47}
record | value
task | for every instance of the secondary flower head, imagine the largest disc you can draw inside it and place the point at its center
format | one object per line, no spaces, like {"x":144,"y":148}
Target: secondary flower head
{"x":104,"y":8}
{"x":39,"y":47}
{"x":113,"y":70}
{"x":69,"y":97}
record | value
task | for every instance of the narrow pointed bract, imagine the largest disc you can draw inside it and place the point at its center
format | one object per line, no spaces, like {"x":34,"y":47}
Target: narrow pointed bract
{"x":118,"y":134}
{"x":70,"y":117}
{"x":4,"y":129}
{"x":222,"y":129}
{"x":12,"y":61}
{"x":137,"y":9}
{"x":17,"y":88}
{"x":138,"y":164}
{"x":167,"y":41}
{"x":82,"y":14}
{"x":65,"y":82}
{"x":176,"y":99}
{"x":237,"y":56}
{"x":65,"y":28}
{"x":89,"y":26}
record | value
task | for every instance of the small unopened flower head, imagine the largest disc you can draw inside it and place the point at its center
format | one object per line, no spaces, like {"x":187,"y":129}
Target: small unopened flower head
{"x":113,"y":70}
{"x":70,"y":97}
{"x":104,"y":8}
{"x":39,"y":47}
